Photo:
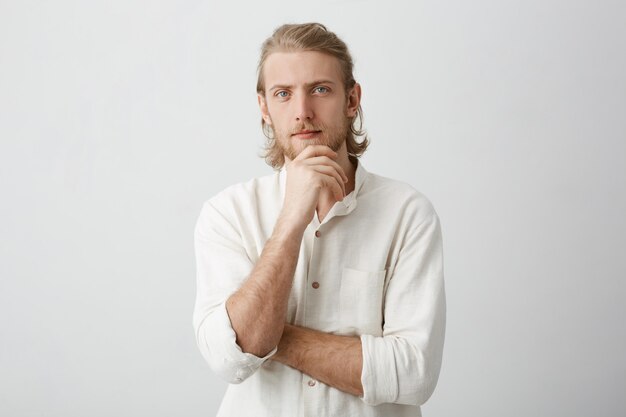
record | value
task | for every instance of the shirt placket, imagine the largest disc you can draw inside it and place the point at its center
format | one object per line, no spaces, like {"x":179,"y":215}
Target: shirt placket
{"x":310,"y":386}
{"x":316,"y":234}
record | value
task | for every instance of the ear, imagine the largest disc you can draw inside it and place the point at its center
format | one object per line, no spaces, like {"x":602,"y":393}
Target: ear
{"x":354,"y":100}
{"x":264,"y":111}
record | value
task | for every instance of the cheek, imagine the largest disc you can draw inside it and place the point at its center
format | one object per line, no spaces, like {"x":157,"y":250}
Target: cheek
{"x":338,"y":115}
{"x":279,"y":114}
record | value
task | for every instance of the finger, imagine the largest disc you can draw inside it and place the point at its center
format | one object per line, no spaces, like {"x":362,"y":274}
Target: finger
{"x":332,"y":183}
{"x":323,"y":160}
{"x":315,"y":150}
{"x":329,"y":171}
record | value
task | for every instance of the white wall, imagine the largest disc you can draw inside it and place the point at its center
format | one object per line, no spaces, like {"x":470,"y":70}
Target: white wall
{"x":119,"y":118}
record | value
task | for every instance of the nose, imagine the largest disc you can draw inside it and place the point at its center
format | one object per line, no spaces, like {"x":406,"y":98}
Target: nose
{"x":304,"y":110}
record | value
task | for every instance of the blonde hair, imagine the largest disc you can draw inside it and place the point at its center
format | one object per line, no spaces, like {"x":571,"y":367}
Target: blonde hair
{"x":310,"y":37}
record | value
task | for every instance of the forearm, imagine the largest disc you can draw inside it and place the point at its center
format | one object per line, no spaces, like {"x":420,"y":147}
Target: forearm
{"x":335,"y":360}
{"x":258,"y":309}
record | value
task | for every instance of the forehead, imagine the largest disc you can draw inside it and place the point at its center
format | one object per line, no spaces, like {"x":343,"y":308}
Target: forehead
{"x":295,"y":68}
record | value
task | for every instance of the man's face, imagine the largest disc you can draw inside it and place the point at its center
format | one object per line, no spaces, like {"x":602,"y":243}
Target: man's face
{"x":304,"y":92}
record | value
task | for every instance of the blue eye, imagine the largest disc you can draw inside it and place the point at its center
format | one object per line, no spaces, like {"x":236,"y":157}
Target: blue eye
{"x":323,"y":88}
{"x":281,"y":92}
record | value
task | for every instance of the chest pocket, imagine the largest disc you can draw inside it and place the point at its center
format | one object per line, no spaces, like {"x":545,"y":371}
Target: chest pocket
{"x":361,"y":302}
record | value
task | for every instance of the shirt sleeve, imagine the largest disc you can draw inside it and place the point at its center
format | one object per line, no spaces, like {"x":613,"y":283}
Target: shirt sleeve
{"x":222,"y":265}
{"x":403,"y":365}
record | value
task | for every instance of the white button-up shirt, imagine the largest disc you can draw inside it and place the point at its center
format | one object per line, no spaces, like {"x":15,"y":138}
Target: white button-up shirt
{"x":377,"y":263}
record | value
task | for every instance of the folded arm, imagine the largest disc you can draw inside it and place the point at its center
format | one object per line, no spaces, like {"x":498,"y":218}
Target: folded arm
{"x":332,"y":359}
{"x":240,"y":306}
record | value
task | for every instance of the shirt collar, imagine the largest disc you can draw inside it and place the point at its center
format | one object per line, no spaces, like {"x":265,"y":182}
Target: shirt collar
{"x":350,"y":201}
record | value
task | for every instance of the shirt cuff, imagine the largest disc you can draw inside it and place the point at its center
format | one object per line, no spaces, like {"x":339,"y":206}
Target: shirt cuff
{"x":378,"y":376}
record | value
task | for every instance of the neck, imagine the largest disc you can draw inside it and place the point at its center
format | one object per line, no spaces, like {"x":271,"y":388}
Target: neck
{"x":350,"y":171}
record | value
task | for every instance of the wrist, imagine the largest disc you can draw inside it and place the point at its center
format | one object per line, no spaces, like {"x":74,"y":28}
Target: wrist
{"x":286,"y":228}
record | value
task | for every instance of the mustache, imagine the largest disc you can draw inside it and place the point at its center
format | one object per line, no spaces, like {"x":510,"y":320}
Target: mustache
{"x":305,"y":126}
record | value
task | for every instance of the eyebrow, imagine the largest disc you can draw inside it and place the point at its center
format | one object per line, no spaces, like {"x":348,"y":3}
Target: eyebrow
{"x":311,"y":84}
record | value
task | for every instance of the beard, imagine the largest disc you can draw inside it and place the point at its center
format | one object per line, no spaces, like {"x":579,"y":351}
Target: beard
{"x":331,"y":136}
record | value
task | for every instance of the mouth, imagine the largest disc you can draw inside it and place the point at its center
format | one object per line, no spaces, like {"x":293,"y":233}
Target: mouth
{"x":307,"y":134}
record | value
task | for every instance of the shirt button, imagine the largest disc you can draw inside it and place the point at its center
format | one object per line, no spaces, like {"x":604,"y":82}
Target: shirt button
{"x":311,"y":383}
{"x":315,"y":285}
{"x":317,"y":233}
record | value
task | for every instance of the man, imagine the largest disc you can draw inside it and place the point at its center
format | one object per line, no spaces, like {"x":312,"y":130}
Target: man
{"x":320,"y":287}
